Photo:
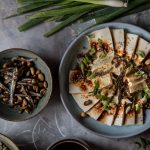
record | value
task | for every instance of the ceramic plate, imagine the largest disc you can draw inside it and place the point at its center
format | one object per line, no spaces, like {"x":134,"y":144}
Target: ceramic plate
{"x":66,"y":64}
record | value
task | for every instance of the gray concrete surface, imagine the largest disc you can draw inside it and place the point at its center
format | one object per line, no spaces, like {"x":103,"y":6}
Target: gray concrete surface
{"x":54,"y":122}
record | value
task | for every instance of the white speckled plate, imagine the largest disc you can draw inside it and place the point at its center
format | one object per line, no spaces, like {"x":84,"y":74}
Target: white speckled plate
{"x":70,"y":104}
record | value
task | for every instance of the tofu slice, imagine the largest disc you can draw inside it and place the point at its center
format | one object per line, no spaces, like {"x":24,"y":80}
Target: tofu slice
{"x":102,"y":64}
{"x":139,"y":113}
{"x":77,"y":84}
{"x":81,"y":99}
{"x":131,"y":43}
{"x":143,"y":49}
{"x":104,"y":80}
{"x":140,"y":117}
{"x":96,"y":111}
{"x":129,"y":116}
{"x":117,"y":70}
{"x":119,"y":41}
{"x":137,"y":86}
{"x":108,"y":117}
{"x":104,"y":35}
{"x":119,"y":120}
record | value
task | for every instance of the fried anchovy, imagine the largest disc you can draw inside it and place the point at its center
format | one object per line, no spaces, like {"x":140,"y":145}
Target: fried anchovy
{"x":27,"y":79}
{"x":32,"y":94}
{"x":35,"y":94}
{"x":13,"y":85}
{"x":4,"y":96}
{"x":24,"y":83}
{"x":6,"y":69}
{"x":4,"y":87}
{"x":28,"y":98}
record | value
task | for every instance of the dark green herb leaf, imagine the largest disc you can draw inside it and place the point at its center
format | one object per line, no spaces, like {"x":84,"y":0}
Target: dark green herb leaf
{"x":88,"y":58}
{"x":82,"y":67}
{"x":143,"y":143}
{"x":100,"y":41}
{"x":142,"y":54}
{"x":147,"y":92}
{"x":31,"y":23}
{"x":139,"y":73}
{"x":92,"y":51}
{"x":84,"y":61}
{"x":139,"y":144}
{"x":103,"y":55}
{"x":92,"y":76}
{"x":88,"y":73}
{"x":96,"y":87}
{"x":137,"y":107}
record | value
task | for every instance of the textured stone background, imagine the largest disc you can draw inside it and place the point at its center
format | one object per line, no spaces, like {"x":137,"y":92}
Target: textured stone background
{"x":54,"y":122}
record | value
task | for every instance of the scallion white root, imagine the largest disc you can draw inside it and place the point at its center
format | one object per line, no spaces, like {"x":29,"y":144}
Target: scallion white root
{"x":113,"y":3}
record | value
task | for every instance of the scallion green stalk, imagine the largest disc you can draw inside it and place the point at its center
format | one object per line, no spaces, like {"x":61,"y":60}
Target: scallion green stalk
{"x":70,"y":10}
{"x":63,"y":24}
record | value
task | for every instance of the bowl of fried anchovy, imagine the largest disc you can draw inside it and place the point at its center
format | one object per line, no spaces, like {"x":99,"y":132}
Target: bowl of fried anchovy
{"x":25,"y":84}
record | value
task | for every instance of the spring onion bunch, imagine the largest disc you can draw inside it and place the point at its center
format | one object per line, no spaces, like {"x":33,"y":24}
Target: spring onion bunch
{"x":68,"y":11}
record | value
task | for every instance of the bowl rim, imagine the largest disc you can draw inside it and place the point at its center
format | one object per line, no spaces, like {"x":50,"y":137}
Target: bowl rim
{"x":70,"y":139}
{"x":51,"y":86}
{"x":89,"y":30}
{"x":9,"y":140}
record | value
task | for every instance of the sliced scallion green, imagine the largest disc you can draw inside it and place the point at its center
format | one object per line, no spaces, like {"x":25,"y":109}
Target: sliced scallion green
{"x":82,"y":66}
{"x":147,"y":92}
{"x":141,"y":53}
{"x":92,"y":51}
{"x":139,"y":73}
{"x":63,"y":24}
{"x":96,"y":87}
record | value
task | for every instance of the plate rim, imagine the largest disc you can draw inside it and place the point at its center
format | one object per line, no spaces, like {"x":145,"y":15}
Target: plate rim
{"x":89,"y":30}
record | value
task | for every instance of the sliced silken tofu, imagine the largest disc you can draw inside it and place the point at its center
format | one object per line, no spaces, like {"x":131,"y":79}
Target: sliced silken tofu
{"x":104,"y":80}
{"x":108,"y":117}
{"x":96,"y":111}
{"x":117,"y":70}
{"x":102,"y":65}
{"x":129,"y":116}
{"x":104,"y":35}
{"x":135,"y":83}
{"x":131,"y":43}
{"x":140,"y":117}
{"x":119,"y":41}
{"x":77,"y":84}
{"x":143,"y":49}
{"x":137,"y":86}
{"x":85,"y":101}
{"x":119,"y":119}
{"x":139,"y":114}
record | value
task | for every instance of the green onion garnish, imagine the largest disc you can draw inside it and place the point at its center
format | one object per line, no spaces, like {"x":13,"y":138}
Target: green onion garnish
{"x":142,"y":54}
{"x":82,"y":67}
{"x":147,"y":92}
{"x":96,"y":87}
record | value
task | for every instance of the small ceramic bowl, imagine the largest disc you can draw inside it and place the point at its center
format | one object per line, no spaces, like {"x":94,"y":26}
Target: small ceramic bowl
{"x":72,"y":143}
{"x":11,"y":114}
{"x":8,"y":143}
